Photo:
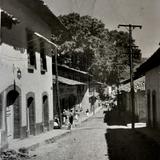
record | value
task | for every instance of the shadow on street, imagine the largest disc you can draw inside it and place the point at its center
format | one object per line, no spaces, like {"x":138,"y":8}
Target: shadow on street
{"x":117,"y":117}
{"x":128,"y":144}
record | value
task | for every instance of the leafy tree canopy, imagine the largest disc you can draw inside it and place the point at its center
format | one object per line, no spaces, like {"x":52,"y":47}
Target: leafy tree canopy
{"x":91,"y":47}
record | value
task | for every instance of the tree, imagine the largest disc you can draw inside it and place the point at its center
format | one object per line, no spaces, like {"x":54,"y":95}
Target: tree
{"x":80,"y":48}
{"x":91,"y":47}
{"x":112,"y":63}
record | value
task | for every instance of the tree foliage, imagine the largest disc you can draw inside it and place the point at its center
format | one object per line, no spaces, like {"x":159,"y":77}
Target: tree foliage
{"x":91,"y":47}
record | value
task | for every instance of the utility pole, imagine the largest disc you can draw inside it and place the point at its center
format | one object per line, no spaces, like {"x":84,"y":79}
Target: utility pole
{"x":57,"y":90}
{"x":130,"y":29}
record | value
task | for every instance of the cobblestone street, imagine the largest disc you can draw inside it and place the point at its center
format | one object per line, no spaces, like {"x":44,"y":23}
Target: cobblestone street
{"x":83,"y":143}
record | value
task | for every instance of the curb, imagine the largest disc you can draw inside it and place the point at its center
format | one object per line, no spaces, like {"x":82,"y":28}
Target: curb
{"x":47,"y":141}
{"x":57,"y":137}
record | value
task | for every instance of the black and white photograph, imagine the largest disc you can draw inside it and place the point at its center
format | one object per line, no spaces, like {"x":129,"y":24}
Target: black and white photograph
{"x":80,"y":80}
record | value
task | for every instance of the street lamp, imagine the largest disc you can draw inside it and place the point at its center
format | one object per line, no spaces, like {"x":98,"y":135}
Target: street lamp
{"x":19,"y":74}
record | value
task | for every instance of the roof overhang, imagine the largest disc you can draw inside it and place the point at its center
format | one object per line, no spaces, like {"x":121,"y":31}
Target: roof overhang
{"x":7,"y":20}
{"x":68,"y":81}
{"x":76,"y":70}
{"x":46,"y":40}
{"x":151,"y":63}
{"x":42,"y":10}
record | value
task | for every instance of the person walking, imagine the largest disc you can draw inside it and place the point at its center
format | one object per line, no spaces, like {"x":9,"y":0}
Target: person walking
{"x":64,"y":116}
{"x":87,"y":112}
{"x":70,"y":119}
{"x":76,"y":116}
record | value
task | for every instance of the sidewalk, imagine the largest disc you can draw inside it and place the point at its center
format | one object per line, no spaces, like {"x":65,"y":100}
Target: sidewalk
{"x":45,"y":138}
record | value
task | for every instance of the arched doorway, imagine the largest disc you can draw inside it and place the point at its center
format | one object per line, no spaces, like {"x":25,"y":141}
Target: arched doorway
{"x":31,"y":115}
{"x":13,"y":116}
{"x":45,"y":112}
{"x":149,"y":108}
{"x":154,"y":109}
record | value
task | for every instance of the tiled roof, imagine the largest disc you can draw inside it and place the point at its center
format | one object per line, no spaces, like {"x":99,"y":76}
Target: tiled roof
{"x":68,"y":81}
{"x":73,"y":69}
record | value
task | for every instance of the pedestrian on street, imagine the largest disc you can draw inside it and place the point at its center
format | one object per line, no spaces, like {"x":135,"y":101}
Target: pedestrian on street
{"x":56,"y":122}
{"x":70,"y":119}
{"x":76,"y":116}
{"x":87,"y":112}
{"x":64,"y":116}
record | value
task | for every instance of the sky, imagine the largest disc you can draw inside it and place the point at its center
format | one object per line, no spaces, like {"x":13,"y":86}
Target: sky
{"x":115,"y":12}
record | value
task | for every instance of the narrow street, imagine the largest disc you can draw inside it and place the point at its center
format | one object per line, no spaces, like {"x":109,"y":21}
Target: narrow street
{"x":85,"y":142}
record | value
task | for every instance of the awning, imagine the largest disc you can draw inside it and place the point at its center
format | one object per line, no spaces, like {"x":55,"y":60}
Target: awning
{"x":68,"y":81}
{"x":44,"y":11}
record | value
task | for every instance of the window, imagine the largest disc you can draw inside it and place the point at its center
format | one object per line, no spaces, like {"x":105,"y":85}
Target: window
{"x":43,"y":62}
{"x":31,"y":51}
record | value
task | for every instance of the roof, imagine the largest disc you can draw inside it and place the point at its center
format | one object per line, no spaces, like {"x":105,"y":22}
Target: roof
{"x":68,"y":81}
{"x":7,"y":19}
{"x":97,"y":83}
{"x":45,"y":13}
{"x":151,"y":63}
{"x":73,"y":69}
{"x":139,"y":84}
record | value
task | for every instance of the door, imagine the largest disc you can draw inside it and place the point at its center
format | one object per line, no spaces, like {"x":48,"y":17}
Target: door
{"x":13,"y":115}
{"x":45,"y":113}
{"x":31,"y":115}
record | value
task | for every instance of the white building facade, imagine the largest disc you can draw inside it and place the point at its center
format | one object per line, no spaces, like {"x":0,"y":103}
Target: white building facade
{"x":26,"y":96}
{"x":151,"y":70}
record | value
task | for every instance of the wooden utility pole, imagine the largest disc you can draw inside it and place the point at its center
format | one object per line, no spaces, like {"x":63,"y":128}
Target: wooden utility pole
{"x":131,"y":28}
{"x":57,"y":90}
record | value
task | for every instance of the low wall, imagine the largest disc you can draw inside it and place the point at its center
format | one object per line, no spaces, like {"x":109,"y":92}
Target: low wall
{"x":124,"y":102}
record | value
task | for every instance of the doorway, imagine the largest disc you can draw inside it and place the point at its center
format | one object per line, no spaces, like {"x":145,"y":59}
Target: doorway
{"x":31,"y":115}
{"x":45,"y":112}
{"x":13,"y":116}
